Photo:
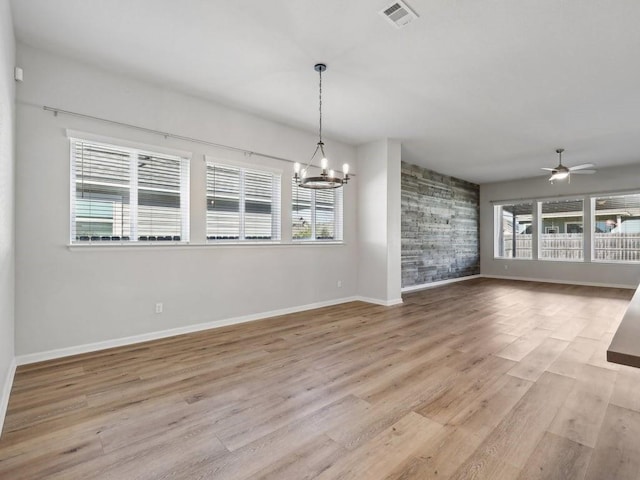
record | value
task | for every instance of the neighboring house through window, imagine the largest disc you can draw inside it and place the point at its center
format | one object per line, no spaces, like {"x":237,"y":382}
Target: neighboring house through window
{"x":617,"y":228}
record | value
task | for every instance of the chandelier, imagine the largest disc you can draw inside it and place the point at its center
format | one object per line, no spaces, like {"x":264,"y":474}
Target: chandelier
{"x":327,"y":178}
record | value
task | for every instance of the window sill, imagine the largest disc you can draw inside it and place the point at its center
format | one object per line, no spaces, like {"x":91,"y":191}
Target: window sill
{"x":561,"y":260}
{"x":184,"y":245}
{"x":511,"y":258}
{"x":616,"y":262}
{"x":554,"y":260}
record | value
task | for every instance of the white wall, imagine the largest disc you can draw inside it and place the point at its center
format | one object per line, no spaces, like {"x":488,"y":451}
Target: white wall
{"x":7,"y":227}
{"x":605,"y":180}
{"x":379,"y":198}
{"x":68,"y":297}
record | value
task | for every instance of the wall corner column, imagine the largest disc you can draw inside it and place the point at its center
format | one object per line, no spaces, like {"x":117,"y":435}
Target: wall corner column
{"x":379,"y":207}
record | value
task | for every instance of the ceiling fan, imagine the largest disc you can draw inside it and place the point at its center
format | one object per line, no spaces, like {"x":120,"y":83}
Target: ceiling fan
{"x":561,"y":172}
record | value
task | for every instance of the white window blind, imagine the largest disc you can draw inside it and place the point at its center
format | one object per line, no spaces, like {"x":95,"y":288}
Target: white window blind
{"x":127,"y":195}
{"x":242,"y":204}
{"x":316,"y":215}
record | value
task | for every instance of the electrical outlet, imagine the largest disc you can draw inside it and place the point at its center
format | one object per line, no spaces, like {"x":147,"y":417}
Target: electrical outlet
{"x":158,"y":307}
{"x":339,"y":283}
{"x":506,"y":267}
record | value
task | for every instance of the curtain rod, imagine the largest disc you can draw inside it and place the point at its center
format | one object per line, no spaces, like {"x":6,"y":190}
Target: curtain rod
{"x":568,"y":195}
{"x":57,"y":111}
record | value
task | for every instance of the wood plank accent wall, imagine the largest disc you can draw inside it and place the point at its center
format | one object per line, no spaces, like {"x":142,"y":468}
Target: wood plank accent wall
{"x":440,"y":227}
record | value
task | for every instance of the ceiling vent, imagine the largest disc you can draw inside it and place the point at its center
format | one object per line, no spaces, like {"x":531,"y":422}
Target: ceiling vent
{"x":399,"y":14}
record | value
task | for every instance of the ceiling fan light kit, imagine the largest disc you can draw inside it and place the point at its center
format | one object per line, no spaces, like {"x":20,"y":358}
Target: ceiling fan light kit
{"x":562,"y":172}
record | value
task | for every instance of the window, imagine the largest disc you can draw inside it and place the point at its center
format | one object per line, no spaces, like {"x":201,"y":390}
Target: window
{"x":316,"y":215}
{"x":126,"y":195}
{"x":561,"y":222}
{"x":513,"y":230}
{"x":616,"y":224}
{"x":242,"y":204}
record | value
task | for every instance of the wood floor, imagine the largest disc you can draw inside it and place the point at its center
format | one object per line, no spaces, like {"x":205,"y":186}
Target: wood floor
{"x":483,"y":379}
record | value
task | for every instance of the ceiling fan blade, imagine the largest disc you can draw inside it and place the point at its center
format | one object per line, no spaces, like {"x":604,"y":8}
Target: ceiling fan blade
{"x":550,"y":169}
{"x":581,"y":172}
{"x":581,"y":167}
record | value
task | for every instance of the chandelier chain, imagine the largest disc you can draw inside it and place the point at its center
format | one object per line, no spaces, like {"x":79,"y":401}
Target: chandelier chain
{"x":320,"y":108}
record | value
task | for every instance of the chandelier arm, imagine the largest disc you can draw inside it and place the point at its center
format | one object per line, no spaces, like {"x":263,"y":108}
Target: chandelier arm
{"x":312,"y":157}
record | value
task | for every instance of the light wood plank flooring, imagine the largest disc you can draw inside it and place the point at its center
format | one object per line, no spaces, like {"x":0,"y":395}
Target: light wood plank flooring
{"x":482,"y":379}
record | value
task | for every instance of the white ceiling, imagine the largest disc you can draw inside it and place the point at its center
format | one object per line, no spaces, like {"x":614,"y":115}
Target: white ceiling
{"x":480,"y":89}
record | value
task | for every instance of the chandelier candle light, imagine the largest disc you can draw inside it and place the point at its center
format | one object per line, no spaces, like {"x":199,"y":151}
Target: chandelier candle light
{"x":327,"y":178}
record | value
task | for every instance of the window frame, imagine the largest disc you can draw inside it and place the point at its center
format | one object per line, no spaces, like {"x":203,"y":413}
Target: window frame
{"x":338,"y":217}
{"x":578,"y":198}
{"x":497,"y":228}
{"x":134,"y":151}
{"x":283,"y":207}
{"x":588,"y":223}
{"x":276,"y":202}
{"x":593,"y":199}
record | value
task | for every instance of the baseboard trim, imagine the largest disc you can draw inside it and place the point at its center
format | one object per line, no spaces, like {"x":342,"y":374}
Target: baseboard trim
{"x":563,"y":282}
{"x":424,"y":286}
{"x":384,"y":303}
{"x":6,"y":391}
{"x":120,"y":342}
{"x":145,"y":337}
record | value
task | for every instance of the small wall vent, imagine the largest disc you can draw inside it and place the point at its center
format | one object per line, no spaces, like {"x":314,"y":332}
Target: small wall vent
{"x":398,"y":14}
